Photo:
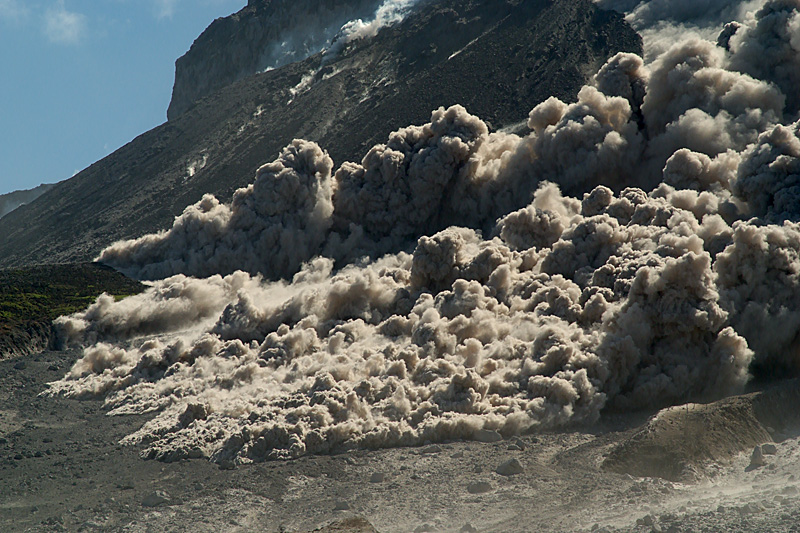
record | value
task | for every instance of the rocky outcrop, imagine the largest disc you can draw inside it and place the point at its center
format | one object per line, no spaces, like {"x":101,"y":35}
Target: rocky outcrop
{"x":678,"y":442}
{"x":498,"y":59}
{"x":266,"y":34}
{"x":33,"y":337}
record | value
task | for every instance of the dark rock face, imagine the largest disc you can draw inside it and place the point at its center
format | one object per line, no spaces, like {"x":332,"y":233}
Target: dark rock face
{"x":265,"y":34}
{"x":498,"y":59}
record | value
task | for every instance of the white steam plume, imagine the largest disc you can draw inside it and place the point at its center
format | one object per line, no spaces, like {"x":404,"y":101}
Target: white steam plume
{"x":639,"y":247}
{"x":328,"y":28}
{"x":389,"y":12}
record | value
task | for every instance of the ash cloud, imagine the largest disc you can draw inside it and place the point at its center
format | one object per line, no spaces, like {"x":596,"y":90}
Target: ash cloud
{"x":664,"y":22}
{"x":273,"y":225}
{"x":638,"y":248}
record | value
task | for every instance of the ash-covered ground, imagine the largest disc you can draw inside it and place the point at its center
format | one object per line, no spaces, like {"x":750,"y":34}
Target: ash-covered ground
{"x":63,"y":470}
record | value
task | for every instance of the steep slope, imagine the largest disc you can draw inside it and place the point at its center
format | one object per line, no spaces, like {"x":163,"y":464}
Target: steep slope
{"x":497,"y":59}
{"x":264,"y":34}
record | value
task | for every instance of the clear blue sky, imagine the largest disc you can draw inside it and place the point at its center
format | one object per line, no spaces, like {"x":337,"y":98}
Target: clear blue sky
{"x":80,"y":78}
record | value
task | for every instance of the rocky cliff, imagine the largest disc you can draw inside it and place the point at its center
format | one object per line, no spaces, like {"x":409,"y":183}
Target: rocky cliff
{"x":498,"y":59}
{"x":266,"y":34}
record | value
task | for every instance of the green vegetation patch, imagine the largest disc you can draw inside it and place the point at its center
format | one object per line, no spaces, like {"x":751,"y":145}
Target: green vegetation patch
{"x":39,"y":294}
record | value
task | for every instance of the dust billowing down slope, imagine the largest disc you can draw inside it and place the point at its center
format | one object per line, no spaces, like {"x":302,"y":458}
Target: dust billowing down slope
{"x":638,"y":248}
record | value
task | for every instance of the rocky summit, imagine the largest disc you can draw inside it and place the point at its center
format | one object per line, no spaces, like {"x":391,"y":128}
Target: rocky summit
{"x":264,"y":35}
{"x":498,"y":59}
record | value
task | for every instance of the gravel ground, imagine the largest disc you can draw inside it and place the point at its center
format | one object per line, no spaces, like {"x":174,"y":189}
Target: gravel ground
{"x":63,"y":470}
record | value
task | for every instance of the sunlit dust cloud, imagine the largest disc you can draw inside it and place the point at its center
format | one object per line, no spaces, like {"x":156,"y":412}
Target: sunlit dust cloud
{"x":639,"y":247}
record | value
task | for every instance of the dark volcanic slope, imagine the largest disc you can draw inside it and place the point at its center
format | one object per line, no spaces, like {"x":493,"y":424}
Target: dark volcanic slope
{"x":265,"y":33}
{"x":497,"y":59}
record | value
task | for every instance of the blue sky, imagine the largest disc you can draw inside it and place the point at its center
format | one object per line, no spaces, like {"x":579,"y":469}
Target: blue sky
{"x":80,"y":78}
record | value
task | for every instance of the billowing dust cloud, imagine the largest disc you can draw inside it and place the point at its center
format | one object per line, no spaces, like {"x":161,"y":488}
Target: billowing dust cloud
{"x":638,"y":248}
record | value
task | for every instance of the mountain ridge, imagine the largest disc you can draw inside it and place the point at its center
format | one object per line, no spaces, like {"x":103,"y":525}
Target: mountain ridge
{"x":14,"y":199}
{"x":503,"y":60}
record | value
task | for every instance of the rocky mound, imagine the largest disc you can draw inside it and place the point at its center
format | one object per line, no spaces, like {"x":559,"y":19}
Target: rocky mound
{"x":679,"y":441}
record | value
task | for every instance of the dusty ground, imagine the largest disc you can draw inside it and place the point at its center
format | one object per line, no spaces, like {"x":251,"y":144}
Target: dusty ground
{"x":62,"y":470}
